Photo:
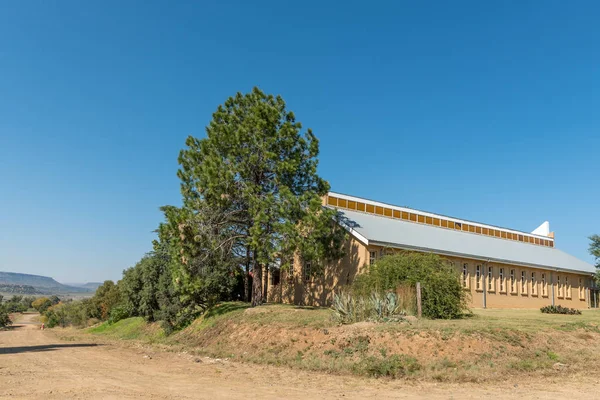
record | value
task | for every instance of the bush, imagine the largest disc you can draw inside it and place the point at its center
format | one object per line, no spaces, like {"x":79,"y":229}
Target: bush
{"x":395,"y":366}
{"x":4,"y":318}
{"x":42,"y":304}
{"x":118,"y":313}
{"x":560,"y":310}
{"x":441,"y":293}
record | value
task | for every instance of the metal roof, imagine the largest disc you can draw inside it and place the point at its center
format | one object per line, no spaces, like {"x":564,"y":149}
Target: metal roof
{"x":390,"y":232}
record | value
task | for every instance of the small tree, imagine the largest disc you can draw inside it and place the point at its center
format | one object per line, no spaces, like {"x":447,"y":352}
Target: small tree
{"x":595,"y":251}
{"x":42,"y":304}
{"x":4,"y":318}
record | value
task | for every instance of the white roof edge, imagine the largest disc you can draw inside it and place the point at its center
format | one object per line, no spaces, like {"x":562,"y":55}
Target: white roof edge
{"x":428,"y":214}
{"x":355,"y":233}
{"x":474,"y":257}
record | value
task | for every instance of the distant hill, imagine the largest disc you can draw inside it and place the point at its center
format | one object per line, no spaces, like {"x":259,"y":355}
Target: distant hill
{"x":42,"y":284}
{"x":18,"y":289}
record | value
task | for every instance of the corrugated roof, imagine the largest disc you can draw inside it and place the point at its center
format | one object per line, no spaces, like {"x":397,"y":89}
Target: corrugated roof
{"x":410,"y":235}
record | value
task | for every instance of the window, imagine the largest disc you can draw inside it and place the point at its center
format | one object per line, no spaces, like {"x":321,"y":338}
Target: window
{"x":478,"y":277}
{"x":567,"y":288}
{"x":372,"y":257}
{"x":307,"y":271}
{"x":491,"y":279}
{"x":513,"y":281}
{"x":290,"y":273}
{"x":465,"y":275}
{"x":559,"y":286}
{"x":533,"y":285}
{"x":544,"y":286}
{"x":501,"y":277}
{"x":581,"y":289}
{"x":275,"y":276}
{"x":523,"y":283}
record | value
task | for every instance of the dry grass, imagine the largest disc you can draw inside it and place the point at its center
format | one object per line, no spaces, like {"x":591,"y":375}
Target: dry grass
{"x":489,"y":345}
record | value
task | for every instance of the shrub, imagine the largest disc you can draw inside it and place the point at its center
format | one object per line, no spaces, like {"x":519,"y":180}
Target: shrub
{"x":348,"y":308}
{"x":560,"y":310}
{"x":4,"y":318}
{"x":441,"y":293}
{"x":42,"y":304}
{"x":118,"y":313}
{"x":394,"y":366}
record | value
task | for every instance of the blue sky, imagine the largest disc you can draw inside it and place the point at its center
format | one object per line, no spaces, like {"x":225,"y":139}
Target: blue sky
{"x":486,"y":111}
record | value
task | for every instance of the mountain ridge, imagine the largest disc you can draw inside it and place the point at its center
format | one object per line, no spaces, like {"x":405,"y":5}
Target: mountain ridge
{"x":44,"y":284}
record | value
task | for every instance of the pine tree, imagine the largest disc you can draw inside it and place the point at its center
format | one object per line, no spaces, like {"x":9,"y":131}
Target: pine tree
{"x":257,"y":170}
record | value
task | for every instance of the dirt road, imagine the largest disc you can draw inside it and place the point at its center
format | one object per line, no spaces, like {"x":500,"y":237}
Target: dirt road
{"x":38,"y":364}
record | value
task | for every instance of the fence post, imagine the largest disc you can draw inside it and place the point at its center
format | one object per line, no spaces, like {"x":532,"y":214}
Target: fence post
{"x":418,"y":299}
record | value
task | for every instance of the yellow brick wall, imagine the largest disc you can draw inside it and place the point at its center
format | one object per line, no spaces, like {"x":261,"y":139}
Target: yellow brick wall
{"x":319,"y":290}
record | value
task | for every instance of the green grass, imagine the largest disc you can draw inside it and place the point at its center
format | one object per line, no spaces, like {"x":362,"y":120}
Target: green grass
{"x":135,"y":328}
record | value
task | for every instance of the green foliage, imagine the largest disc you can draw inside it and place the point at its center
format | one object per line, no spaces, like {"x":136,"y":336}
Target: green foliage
{"x":75,"y":313}
{"x":395,"y":366}
{"x":41,"y":304}
{"x":441,"y":293}
{"x":560,"y":310}
{"x":16,"y":304}
{"x":251,"y":194}
{"x":106,"y":297}
{"x":380,"y":307}
{"x":595,"y":251}
{"x":4,"y":318}
{"x":118,"y":313}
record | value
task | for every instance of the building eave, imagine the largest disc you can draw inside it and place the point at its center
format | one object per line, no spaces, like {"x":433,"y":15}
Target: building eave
{"x":476,"y":257}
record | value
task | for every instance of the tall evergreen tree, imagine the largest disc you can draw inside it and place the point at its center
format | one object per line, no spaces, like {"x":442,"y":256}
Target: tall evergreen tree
{"x":256,"y":171}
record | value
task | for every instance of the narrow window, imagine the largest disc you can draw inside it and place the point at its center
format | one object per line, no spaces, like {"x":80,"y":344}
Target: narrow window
{"x":275,"y":276}
{"x":501,"y":277}
{"x":533,"y":284}
{"x":523,"y":283}
{"x":581,"y":290}
{"x":307,"y":270}
{"x":559,"y":286}
{"x":513,"y":281}
{"x":465,"y":275}
{"x":567,"y":288}
{"x":290,"y":273}
{"x":372,"y":257}
{"x":543,"y":280}
{"x":478,"y":276}
{"x":491,"y":279}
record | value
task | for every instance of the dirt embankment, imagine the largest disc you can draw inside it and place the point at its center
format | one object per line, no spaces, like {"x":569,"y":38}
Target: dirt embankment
{"x":37,"y":364}
{"x":490,"y":347}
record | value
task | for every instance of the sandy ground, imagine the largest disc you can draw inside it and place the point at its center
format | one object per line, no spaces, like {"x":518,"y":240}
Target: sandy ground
{"x":37,"y":364}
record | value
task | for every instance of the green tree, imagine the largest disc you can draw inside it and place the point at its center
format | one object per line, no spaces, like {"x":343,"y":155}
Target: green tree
{"x":4,"y":317}
{"x":595,"y":251}
{"x":106,"y":297}
{"x":442,"y":294}
{"x":252,"y":192}
{"x":42,"y":304}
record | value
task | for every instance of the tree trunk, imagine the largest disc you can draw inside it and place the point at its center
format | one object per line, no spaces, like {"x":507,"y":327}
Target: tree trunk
{"x":257,"y":294}
{"x":247,"y":288}
{"x":266,"y":285}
